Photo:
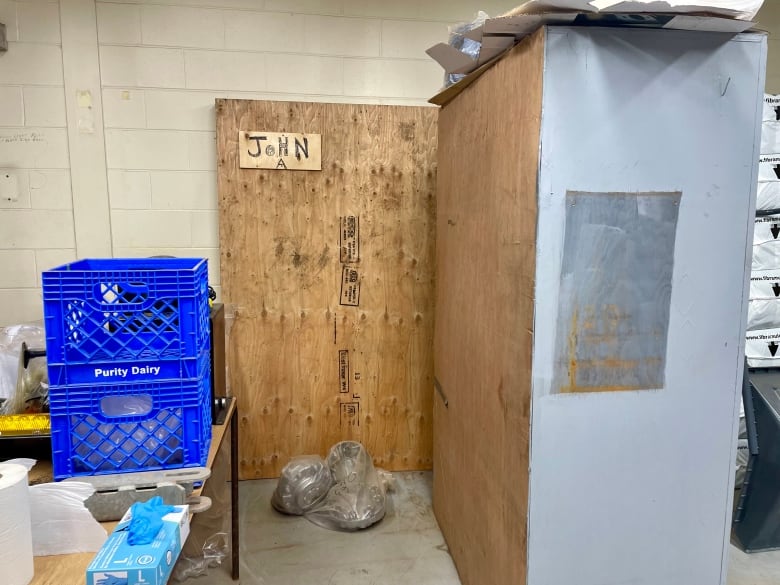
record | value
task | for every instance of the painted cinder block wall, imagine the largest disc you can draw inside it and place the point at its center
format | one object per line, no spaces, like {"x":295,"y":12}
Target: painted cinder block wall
{"x":107,"y":111}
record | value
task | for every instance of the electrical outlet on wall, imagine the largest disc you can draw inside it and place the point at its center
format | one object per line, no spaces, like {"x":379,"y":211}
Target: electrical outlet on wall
{"x":3,"y":38}
{"x":9,"y":187}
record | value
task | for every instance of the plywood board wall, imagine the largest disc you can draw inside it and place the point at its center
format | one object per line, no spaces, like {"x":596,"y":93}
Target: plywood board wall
{"x":330,"y":276}
{"x":486,"y":230}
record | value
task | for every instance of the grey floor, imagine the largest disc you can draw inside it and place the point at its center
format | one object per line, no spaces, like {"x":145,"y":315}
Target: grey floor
{"x":406,"y":547}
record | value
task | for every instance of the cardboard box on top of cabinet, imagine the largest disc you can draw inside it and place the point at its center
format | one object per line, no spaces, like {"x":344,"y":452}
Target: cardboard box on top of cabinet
{"x":119,"y":563}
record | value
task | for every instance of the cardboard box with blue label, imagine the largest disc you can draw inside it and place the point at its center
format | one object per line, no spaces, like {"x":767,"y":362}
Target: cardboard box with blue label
{"x":119,"y":563}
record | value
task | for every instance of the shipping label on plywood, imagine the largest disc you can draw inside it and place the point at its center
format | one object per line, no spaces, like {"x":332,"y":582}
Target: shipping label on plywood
{"x":349,"y":239}
{"x":279,"y":151}
{"x":350,"y":287}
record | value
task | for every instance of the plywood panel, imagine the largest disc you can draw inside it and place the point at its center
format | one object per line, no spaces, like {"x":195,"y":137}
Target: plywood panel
{"x":486,"y":229}
{"x":332,"y":334}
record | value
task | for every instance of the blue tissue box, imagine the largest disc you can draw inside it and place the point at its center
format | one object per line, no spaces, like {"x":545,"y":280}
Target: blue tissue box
{"x":119,"y":563}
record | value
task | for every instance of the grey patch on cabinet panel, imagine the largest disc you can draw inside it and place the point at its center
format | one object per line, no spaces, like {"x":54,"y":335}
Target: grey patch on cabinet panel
{"x":615,"y":295}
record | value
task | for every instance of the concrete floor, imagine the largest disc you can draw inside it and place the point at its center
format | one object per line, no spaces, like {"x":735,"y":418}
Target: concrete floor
{"x":405,"y":548}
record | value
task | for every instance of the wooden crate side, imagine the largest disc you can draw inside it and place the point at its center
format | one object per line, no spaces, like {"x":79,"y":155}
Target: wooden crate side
{"x":311,"y":361}
{"x":486,"y":230}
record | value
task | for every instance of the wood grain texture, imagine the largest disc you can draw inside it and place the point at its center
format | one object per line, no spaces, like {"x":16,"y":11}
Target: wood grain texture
{"x":485,"y":260}
{"x":283,"y":270}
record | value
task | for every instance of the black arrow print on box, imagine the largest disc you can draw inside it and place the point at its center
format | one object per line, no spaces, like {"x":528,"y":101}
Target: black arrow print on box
{"x":777,"y":170}
{"x":777,"y":113}
{"x":776,"y":289}
{"x":775,"y":230}
{"x":773,"y":348}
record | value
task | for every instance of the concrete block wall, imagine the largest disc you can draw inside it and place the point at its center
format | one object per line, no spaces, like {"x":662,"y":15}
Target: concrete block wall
{"x":36,"y":217}
{"x":161,"y":65}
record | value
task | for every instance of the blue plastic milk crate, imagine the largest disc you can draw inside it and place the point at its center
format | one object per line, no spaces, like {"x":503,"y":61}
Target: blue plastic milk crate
{"x":117,"y":428}
{"x":126,"y":319}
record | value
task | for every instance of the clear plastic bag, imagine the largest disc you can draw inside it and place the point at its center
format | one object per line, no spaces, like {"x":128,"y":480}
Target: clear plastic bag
{"x":215,"y":549}
{"x":11,"y":339}
{"x":357,"y":498}
{"x":304,"y":483}
{"x":460,"y":41}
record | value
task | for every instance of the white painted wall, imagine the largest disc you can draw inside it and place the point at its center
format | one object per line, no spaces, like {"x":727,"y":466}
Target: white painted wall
{"x":36,"y":226}
{"x":161,"y":65}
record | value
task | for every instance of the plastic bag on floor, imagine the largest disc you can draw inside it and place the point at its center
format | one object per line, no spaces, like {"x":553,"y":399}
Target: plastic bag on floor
{"x":215,"y":549}
{"x":304,"y":483}
{"x":357,"y":498}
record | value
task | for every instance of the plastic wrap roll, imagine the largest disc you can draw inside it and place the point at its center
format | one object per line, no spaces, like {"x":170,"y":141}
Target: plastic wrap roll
{"x":763,"y":314}
{"x":770,"y":136}
{"x":768,"y":196}
{"x":16,"y":551}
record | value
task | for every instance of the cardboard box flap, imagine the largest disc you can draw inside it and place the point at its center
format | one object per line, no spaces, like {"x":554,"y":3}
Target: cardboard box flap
{"x":744,"y":9}
{"x":502,"y":33}
{"x":450,"y":58}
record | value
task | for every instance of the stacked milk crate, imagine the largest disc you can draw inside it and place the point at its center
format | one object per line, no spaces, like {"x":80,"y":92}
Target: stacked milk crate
{"x":763,"y":330}
{"x":127,"y":344}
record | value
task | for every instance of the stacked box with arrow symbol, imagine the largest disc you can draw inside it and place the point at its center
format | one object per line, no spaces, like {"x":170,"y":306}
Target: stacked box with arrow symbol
{"x":763,"y":327}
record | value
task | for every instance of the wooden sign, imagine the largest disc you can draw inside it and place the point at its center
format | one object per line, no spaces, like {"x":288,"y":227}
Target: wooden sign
{"x":279,"y":150}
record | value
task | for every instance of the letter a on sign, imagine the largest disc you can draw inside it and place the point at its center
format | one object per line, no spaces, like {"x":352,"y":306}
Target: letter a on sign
{"x":288,"y":151}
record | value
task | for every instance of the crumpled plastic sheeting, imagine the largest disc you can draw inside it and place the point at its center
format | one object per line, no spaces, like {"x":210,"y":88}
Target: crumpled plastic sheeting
{"x":303,"y":484}
{"x":215,"y":549}
{"x":60,"y":523}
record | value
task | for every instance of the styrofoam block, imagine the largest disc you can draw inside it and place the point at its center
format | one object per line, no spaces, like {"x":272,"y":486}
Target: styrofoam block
{"x":762,"y":348}
{"x":44,"y":106}
{"x":118,"y":23}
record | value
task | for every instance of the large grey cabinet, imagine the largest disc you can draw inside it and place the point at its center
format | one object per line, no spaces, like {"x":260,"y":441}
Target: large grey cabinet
{"x":595,"y":207}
